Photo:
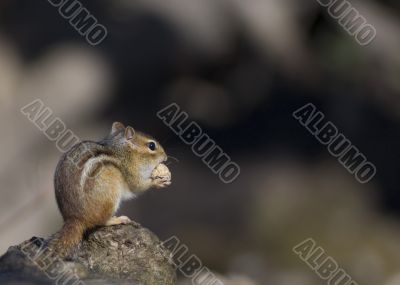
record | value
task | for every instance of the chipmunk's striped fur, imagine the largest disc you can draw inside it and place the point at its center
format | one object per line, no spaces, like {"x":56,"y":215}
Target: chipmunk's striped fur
{"x":93,"y":178}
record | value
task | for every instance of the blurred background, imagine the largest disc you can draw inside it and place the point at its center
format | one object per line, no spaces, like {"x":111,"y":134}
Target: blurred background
{"x":240,"y":69}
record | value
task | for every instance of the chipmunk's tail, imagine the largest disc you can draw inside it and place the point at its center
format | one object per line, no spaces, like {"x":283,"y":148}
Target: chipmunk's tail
{"x":67,"y":238}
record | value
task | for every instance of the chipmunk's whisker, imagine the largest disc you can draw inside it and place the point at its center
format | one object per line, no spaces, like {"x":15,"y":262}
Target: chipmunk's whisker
{"x":177,"y":160}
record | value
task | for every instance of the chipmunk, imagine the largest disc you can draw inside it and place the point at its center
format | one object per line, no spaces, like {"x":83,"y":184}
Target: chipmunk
{"x":92,"y":179}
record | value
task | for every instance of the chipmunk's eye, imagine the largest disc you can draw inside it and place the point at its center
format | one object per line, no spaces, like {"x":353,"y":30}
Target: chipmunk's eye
{"x":152,"y":146}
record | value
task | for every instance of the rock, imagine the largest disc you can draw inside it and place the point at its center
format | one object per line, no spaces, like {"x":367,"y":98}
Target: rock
{"x":122,"y":254}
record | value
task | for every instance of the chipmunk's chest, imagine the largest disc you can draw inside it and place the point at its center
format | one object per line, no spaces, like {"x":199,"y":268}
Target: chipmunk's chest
{"x":123,"y":194}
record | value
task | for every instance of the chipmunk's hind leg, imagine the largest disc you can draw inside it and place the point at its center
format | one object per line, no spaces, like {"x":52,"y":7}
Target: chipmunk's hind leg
{"x":123,"y":220}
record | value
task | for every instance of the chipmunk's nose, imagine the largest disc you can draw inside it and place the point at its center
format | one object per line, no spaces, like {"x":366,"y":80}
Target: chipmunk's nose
{"x":165,"y":158}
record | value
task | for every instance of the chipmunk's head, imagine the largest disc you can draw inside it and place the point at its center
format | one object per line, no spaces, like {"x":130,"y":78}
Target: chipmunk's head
{"x":141,"y":149}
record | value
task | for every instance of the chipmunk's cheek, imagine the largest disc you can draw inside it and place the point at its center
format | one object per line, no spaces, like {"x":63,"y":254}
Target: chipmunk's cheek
{"x":146,"y":172}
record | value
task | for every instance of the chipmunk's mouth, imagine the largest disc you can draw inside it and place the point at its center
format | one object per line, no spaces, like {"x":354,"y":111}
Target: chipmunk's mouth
{"x":151,"y":168}
{"x":154,"y":167}
{"x":163,"y":159}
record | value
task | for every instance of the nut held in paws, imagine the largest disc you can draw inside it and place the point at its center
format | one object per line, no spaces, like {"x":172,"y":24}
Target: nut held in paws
{"x":161,"y":171}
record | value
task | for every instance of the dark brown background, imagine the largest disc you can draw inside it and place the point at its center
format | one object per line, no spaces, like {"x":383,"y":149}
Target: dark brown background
{"x":240,"y":69}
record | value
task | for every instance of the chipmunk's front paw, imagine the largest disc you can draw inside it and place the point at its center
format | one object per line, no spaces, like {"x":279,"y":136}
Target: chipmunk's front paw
{"x":161,"y":176}
{"x":161,"y":182}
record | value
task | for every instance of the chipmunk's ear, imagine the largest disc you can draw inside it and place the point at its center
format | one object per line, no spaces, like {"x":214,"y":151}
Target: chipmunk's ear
{"x":129,"y":133}
{"x":116,"y":128}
